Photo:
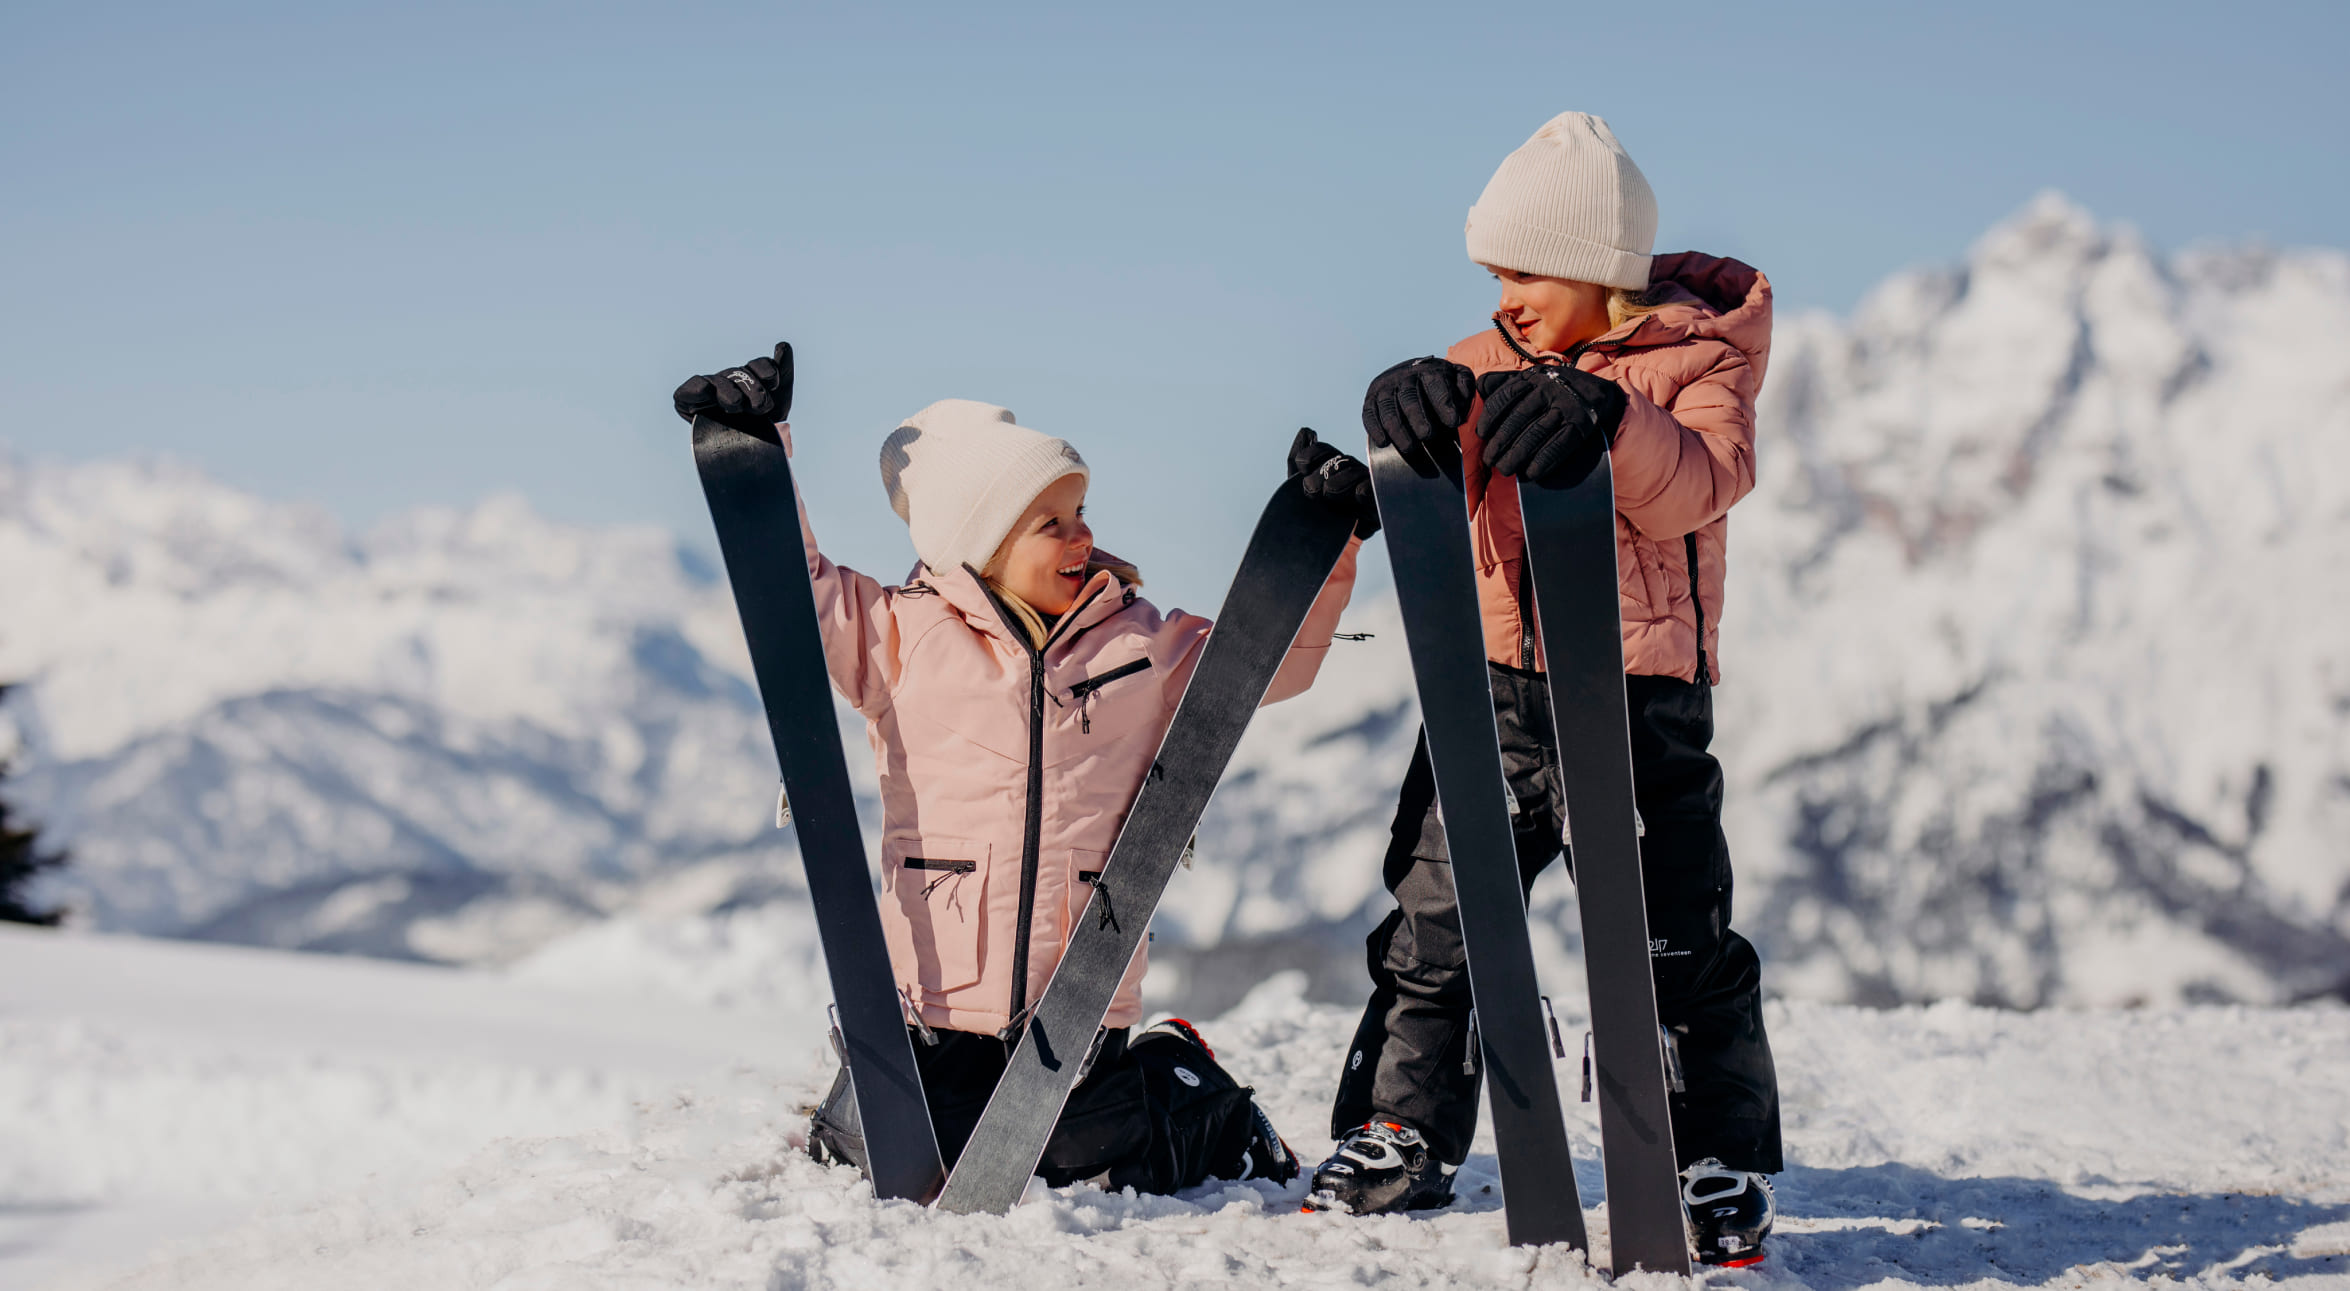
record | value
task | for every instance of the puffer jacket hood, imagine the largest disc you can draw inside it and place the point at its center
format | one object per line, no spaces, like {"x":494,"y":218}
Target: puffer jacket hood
{"x":1705,"y":298}
{"x":1007,"y":770}
{"x":1684,"y":454}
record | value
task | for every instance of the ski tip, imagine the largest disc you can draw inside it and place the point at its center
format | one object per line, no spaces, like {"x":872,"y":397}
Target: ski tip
{"x":1743,"y":1262}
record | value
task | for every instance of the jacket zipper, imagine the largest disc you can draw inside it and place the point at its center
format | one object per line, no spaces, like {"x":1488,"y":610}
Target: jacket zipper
{"x":1525,"y":615}
{"x":1697,"y":603}
{"x":1032,"y":833}
{"x":1083,"y":691}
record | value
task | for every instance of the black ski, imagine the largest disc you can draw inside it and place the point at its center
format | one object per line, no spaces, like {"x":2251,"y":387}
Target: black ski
{"x":1426,"y":517}
{"x":1571,"y":548}
{"x":748,"y":483}
{"x":1289,"y":558}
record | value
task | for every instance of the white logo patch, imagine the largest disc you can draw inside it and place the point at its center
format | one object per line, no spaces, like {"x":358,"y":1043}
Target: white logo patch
{"x":1184,"y":1074}
{"x":1355,"y":1063}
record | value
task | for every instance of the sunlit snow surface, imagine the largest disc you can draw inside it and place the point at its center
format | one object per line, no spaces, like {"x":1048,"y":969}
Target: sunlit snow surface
{"x":178,"y":1116}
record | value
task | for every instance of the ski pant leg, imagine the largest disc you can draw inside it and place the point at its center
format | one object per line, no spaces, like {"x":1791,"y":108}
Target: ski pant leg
{"x":1409,"y":1059}
{"x":1708,"y":978}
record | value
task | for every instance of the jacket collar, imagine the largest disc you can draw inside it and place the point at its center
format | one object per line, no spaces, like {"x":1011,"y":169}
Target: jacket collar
{"x":1102,"y":596}
{"x":1702,"y":296}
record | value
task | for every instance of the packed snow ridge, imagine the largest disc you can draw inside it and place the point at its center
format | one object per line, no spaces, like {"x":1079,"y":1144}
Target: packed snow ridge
{"x":2034,"y":689}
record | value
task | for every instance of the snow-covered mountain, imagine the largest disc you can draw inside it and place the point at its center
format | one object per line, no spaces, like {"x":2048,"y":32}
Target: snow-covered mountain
{"x":2040,"y":662}
{"x":448,"y":738}
{"x":2037,"y":682}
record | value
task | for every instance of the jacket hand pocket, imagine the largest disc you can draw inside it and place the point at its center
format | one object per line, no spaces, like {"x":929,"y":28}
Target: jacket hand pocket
{"x":938,"y":887}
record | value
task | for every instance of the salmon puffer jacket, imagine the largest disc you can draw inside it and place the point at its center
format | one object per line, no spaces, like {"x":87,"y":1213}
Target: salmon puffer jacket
{"x":1684,"y":454}
{"x":1007,"y":771}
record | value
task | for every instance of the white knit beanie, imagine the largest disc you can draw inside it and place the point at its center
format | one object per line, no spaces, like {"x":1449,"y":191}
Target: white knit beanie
{"x":961,"y":473}
{"x":1568,"y":203}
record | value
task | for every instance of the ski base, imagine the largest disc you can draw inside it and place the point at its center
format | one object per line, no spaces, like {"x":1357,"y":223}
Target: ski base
{"x":1571,"y":551}
{"x":753,"y":505}
{"x":1425,"y":514}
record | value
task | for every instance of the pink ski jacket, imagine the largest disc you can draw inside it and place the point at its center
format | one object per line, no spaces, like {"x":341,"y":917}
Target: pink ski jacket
{"x":1007,"y":771}
{"x":1684,"y":454}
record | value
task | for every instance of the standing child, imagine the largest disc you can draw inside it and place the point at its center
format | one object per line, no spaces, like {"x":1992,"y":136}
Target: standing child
{"x":1662,"y":358}
{"x":1015,"y":689}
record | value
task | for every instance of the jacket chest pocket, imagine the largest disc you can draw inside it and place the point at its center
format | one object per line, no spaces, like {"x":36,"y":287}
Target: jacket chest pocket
{"x":939,"y":888}
{"x":1119,"y":680}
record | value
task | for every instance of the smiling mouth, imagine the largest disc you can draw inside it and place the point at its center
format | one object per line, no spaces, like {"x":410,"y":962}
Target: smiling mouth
{"x":1072,"y":571}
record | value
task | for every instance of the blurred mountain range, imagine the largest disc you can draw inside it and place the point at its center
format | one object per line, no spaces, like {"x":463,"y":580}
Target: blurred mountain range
{"x":2037,"y":681}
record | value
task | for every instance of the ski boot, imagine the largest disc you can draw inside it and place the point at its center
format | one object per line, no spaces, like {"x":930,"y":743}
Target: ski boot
{"x":836,"y":1133}
{"x":1267,"y":1156}
{"x":1263,"y":1155}
{"x":1730,"y":1213}
{"x":1380,"y":1168}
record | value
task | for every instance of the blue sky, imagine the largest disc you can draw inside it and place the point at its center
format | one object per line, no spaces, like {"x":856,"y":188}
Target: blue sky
{"x":377,"y":256}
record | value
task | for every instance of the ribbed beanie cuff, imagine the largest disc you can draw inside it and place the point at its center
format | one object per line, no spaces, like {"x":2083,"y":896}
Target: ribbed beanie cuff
{"x":1510,"y":244}
{"x":1569,"y":203}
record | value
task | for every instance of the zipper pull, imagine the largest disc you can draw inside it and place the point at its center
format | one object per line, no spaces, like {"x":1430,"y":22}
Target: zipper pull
{"x":913,"y":1015}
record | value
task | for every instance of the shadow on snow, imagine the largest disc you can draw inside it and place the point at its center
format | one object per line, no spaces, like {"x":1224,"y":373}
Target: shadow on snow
{"x":1854,"y":1227}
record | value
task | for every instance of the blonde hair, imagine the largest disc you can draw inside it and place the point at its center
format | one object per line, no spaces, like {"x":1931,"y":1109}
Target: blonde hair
{"x":1627,"y":303}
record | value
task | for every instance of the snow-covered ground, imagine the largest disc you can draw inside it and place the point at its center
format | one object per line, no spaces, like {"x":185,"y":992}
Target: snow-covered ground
{"x":177,"y":1116}
{"x":151,"y":1090}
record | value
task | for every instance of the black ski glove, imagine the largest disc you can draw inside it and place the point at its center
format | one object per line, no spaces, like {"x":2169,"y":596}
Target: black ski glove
{"x":1335,"y":480}
{"x":1548,"y":424}
{"x":751,"y":398}
{"x":1416,"y":402}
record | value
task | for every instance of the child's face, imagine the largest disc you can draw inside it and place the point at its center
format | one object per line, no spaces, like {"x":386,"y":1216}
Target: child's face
{"x":1553,"y":314}
{"x":1043,"y":560}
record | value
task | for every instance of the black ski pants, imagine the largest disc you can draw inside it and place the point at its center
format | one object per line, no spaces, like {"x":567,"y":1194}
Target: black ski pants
{"x":1407,"y":1060}
{"x":1106,"y":1122}
{"x":1154,"y":1112}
